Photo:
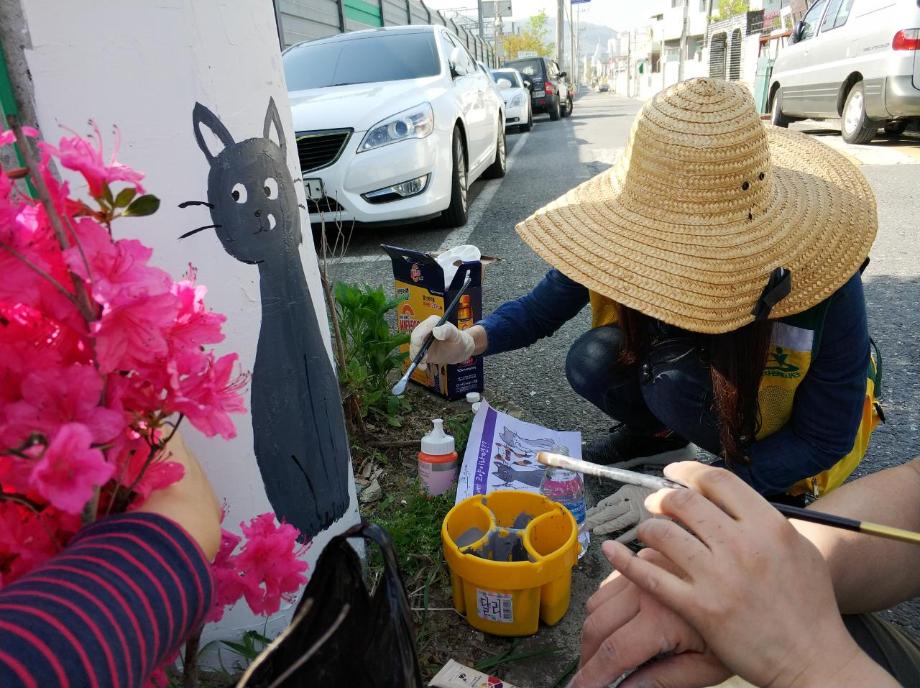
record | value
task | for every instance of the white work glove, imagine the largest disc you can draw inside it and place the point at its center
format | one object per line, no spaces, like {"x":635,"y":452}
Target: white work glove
{"x":625,"y":508}
{"x":450,"y":345}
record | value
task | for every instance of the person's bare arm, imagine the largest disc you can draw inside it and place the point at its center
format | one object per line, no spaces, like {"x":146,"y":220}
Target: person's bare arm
{"x":190,"y":502}
{"x":871,"y":573}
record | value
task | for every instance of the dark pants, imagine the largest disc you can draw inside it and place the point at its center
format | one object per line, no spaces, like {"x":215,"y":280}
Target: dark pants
{"x":671,"y":388}
{"x":887,"y":645}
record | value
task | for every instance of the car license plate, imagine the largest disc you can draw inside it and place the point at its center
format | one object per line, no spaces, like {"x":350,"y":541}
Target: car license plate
{"x":314,"y":188}
{"x":539,"y":94}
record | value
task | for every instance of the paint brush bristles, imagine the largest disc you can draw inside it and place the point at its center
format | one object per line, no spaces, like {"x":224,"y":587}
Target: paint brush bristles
{"x":656,"y":483}
{"x":621,"y":475}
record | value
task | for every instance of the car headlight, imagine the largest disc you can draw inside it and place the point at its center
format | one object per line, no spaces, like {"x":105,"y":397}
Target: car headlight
{"x":517,"y":100}
{"x":414,"y":123}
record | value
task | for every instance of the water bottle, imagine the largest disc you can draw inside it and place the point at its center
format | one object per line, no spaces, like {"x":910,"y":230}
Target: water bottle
{"x":567,"y":488}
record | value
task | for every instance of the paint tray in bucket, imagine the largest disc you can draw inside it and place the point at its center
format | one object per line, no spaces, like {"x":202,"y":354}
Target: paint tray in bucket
{"x":510,"y":555}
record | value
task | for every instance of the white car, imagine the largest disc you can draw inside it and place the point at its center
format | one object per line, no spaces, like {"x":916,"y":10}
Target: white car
{"x":392,"y":125}
{"x":858,"y":60}
{"x":516,"y":95}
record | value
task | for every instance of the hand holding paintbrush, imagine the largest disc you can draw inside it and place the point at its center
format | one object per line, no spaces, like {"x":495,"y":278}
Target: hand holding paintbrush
{"x":726,"y":585}
{"x":400,"y":387}
{"x":656,"y":483}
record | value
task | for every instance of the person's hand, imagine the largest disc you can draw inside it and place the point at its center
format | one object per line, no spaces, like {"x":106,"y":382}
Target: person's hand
{"x":625,"y":508}
{"x":758,"y":593}
{"x":450,"y":345}
{"x":190,"y":502}
{"x":627,"y":627}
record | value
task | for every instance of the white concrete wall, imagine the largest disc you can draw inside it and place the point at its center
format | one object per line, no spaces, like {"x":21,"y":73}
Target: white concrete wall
{"x":142,"y":66}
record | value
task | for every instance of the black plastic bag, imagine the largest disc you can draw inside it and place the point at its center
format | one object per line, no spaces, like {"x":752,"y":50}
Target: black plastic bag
{"x":341,"y":636}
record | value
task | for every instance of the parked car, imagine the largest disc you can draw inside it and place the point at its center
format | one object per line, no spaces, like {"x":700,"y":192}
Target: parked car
{"x":549,"y":93}
{"x":854,"y":59}
{"x":392,"y":125}
{"x":603,"y":87}
{"x":518,"y":112}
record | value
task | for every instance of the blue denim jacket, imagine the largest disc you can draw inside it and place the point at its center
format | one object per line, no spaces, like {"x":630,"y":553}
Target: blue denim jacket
{"x":828,"y":403}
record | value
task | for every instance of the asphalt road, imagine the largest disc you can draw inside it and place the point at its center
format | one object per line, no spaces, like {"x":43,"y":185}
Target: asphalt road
{"x":556,"y":156}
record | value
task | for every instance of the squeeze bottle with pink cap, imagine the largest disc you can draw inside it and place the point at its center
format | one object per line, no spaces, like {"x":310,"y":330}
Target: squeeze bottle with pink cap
{"x":437,"y":462}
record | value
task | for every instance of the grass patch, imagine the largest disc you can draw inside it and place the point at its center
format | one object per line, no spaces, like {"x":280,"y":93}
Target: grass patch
{"x":413,"y":521}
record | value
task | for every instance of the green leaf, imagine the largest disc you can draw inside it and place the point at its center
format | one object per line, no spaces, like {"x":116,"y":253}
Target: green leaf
{"x":125,"y":196}
{"x":144,"y":205}
{"x":107,"y":195}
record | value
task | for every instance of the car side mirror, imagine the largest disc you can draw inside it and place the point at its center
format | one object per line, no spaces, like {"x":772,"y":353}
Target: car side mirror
{"x":455,"y":60}
{"x":797,"y":32}
{"x":562,"y":75}
{"x":503,"y":84}
{"x":528,"y":84}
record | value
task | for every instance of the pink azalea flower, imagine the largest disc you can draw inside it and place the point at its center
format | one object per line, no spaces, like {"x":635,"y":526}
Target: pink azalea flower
{"x":195,"y":325}
{"x":133,"y":331}
{"x":70,"y":468}
{"x":78,"y":154}
{"x":207,"y":398}
{"x":269,"y":558}
{"x":8,"y":137}
{"x":267,"y":570}
{"x":60,"y":395}
{"x":28,"y":539}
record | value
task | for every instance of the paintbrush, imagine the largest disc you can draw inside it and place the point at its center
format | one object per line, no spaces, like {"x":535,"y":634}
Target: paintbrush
{"x":656,"y":483}
{"x":400,"y":387}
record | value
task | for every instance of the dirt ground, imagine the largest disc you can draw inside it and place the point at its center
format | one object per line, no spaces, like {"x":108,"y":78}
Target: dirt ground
{"x":544,"y":660}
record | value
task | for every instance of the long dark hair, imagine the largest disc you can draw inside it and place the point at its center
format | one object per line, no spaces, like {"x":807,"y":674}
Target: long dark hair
{"x":736,"y":362}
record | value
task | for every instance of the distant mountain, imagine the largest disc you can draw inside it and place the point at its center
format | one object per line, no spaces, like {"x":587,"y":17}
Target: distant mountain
{"x":589,"y":35}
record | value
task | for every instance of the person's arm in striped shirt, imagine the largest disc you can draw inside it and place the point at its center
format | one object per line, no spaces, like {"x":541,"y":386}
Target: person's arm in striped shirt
{"x":120,"y":599}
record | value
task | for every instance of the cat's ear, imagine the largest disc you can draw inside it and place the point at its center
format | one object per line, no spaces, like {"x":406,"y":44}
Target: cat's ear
{"x":203,"y":116}
{"x":273,"y":120}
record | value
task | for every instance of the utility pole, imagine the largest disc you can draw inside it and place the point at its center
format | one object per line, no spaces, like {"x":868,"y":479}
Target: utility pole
{"x":683,"y":43}
{"x":573,"y":68}
{"x":498,"y":35}
{"x":629,"y":64}
{"x":479,"y":15}
{"x":560,"y":35}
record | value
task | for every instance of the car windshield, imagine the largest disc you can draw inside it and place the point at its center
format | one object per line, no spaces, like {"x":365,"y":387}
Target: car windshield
{"x":378,"y":57}
{"x":505,"y":74}
{"x":529,"y":67}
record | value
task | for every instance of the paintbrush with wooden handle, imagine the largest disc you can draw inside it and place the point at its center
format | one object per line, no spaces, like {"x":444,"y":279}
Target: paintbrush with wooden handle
{"x":655,"y":483}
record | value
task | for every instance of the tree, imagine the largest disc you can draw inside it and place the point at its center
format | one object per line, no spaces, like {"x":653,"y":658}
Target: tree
{"x":531,"y":38}
{"x":730,"y":8}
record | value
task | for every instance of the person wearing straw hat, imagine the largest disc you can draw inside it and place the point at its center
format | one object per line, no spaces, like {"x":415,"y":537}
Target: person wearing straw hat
{"x":721,"y":260}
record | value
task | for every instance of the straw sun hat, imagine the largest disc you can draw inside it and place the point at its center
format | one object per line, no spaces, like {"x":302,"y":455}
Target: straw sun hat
{"x":711,"y":217}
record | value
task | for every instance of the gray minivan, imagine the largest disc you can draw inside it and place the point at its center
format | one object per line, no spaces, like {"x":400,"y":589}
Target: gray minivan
{"x":858,"y":60}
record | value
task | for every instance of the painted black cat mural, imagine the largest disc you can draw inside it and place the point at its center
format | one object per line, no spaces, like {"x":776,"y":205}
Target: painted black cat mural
{"x":300,"y":441}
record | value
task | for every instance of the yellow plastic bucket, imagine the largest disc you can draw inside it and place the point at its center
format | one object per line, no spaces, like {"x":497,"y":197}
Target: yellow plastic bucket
{"x":510,"y":555}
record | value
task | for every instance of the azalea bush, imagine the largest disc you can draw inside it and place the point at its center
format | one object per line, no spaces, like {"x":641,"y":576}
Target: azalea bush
{"x":102,"y":359}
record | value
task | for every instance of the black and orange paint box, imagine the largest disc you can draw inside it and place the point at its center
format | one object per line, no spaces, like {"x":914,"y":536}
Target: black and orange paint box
{"x":419,"y":282}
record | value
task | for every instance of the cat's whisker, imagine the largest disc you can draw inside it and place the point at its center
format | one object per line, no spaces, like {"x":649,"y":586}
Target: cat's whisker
{"x":186,"y":204}
{"x":199,"y":229}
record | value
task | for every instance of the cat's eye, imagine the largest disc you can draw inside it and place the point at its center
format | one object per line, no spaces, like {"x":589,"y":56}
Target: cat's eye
{"x":271,"y":188}
{"x":238,"y":192}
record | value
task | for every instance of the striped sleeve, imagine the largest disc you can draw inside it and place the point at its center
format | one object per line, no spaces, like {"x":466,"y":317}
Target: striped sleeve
{"x":106,"y":611}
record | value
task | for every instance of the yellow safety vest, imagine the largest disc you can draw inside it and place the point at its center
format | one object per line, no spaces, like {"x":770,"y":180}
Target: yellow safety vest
{"x":794,"y":342}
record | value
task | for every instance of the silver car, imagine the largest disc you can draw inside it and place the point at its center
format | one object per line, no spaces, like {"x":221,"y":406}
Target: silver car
{"x":858,"y":60}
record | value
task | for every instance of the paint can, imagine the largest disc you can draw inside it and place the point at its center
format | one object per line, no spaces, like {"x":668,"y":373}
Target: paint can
{"x":437,"y":461}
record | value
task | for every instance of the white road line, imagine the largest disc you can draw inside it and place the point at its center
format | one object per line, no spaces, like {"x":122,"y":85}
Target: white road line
{"x":460,"y":235}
